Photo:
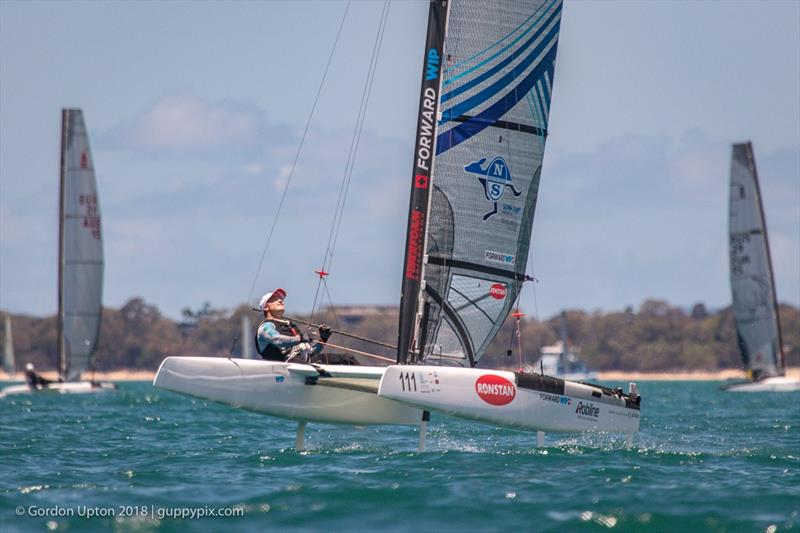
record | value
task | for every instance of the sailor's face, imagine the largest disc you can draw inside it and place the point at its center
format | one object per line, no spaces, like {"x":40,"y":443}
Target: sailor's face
{"x":275,"y":305}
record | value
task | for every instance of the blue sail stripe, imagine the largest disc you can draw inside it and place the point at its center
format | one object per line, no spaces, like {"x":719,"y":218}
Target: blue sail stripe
{"x":537,"y":118}
{"x":534,"y":116}
{"x":502,"y":64}
{"x":546,"y":96}
{"x":503,"y":82}
{"x":540,"y":101}
{"x":505,"y":48}
{"x":548,"y":84}
{"x":455,"y":136}
{"x":543,"y":7}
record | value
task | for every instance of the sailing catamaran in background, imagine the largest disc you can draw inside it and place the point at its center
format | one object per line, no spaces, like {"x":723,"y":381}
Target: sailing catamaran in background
{"x":247,"y":332}
{"x":482,"y":122}
{"x":9,"y":361}
{"x":755,"y":305}
{"x":80,"y":263}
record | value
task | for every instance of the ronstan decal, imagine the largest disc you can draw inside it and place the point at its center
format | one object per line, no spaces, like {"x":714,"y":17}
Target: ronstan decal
{"x":497,"y":291}
{"x":495,"y":390}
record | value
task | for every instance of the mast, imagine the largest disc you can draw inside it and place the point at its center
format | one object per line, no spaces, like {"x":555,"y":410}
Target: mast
{"x":752,"y":163}
{"x":62,"y":356}
{"x":419,"y":202}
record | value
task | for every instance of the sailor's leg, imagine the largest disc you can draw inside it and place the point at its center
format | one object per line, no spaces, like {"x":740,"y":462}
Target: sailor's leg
{"x":540,"y":439}
{"x":299,"y":442}
{"x":423,"y":429}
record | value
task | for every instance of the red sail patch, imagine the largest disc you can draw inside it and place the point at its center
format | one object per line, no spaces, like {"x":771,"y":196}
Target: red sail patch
{"x":495,"y":389}
{"x":497,"y":291}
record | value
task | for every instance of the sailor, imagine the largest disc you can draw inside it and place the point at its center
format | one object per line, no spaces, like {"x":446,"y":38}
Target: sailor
{"x":34,"y":379}
{"x":278,"y":339}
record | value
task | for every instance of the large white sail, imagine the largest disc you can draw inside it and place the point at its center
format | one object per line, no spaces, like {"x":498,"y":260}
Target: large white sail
{"x":498,"y":62}
{"x":752,"y":284}
{"x":80,"y":250}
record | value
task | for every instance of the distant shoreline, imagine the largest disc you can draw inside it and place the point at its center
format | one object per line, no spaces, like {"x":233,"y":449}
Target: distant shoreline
{"x":720,"y":375}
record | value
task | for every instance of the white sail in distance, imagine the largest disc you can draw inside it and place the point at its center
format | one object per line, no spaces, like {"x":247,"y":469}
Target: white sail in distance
{"x":752,"y":283}
{"x":9,"y":360}
{"x":81,"y":261}
{"x":247,"y":338}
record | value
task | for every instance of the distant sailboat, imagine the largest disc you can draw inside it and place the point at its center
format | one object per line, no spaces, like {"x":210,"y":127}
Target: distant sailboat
{"x":247,"y":332}
{"x":80,"y":262}
{"x":9,"y":361}
{"x":755,"y":305}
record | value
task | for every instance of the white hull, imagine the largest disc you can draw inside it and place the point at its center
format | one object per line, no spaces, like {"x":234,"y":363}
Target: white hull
{"x":508,"y":399}
{"x":340,"y":393}
{"x":72,"y":387}
{"x":773,"y":384}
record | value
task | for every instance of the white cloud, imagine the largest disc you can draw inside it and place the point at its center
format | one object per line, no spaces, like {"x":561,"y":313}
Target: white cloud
{"x":253,"y":168}
{"x":182,"y":121}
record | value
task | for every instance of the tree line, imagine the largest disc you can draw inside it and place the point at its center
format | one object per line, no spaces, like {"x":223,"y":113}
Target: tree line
{"x":655,"y":337}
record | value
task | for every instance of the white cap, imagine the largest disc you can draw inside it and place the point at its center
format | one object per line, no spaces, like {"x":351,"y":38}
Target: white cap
{"x":29,"y":366}
{"x":277,"y":292}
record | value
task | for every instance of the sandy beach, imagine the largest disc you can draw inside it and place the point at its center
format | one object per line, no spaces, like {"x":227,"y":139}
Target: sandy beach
{"x":720,"y":375}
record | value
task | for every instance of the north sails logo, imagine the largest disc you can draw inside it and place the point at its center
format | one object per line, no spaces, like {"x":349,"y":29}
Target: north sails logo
{"x":495,"y":390}
{"x":494,"y":178}
{"x":587,"y":409}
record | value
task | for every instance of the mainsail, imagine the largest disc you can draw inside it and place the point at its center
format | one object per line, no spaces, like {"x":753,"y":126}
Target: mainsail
{"x":492,"y":96}
{"x":752,"y":283}
{"x":80,"y":281}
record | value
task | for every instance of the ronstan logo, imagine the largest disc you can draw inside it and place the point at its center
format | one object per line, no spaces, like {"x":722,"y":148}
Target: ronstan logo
{"x":495,"y":389}
{"x":497,"y":291}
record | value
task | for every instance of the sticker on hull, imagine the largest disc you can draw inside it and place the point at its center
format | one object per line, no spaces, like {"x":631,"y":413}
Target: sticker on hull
{"x":495,"y":390}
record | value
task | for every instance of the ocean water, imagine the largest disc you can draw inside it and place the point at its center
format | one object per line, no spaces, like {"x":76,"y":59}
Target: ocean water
{"x":143,"y":459}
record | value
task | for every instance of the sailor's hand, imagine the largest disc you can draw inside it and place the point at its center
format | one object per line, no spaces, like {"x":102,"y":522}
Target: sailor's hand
{"x":324,"y":332}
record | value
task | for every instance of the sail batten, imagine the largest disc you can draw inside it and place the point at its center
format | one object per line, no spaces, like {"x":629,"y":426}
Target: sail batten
{"x":489,"y":143}
{"x":81,"y":262}
{"x":752,"y":282}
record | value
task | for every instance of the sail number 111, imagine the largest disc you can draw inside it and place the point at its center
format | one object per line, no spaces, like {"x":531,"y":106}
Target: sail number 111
{"x":408,"y":382}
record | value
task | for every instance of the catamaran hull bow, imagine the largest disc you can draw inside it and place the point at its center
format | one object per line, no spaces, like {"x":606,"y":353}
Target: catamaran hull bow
{"x":72,"y":387}
{"x":318,"y":393}
{"x":527,"y":401}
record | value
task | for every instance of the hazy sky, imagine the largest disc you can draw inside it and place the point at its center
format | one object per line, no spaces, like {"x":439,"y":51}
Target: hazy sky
{"x":195,"y":111}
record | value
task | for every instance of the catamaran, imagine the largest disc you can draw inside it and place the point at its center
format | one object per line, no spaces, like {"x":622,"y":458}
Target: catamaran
{"x":755,"y":305}
{"x":482,"y":122}
{"x":80,"y":264}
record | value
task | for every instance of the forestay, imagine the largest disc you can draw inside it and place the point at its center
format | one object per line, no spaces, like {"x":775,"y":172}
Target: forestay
{"x":497,"y":62}
{"x":80,"y":250}
{"x":752,"y":285}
